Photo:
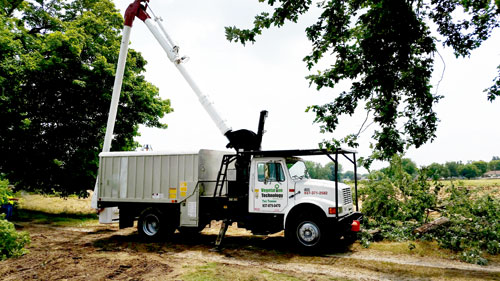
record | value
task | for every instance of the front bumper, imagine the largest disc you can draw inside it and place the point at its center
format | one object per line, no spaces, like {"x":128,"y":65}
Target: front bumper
{"x":344,"y":224}
{"x":354,"y":216}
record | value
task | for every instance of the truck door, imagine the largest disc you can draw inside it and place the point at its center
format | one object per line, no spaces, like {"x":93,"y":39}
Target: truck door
{"x":269,"y":187}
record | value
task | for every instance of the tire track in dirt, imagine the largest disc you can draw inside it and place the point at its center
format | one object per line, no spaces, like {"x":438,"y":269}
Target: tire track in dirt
{"x":330,"y":265}
{"x":415,"y":261}
{"x":283,"y":268}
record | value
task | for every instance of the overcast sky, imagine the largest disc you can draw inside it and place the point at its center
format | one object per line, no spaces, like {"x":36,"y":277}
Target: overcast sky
{"x":270,"y":75}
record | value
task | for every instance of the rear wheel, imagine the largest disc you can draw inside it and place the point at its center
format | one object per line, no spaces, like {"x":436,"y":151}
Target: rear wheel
{"x":152,"y":225}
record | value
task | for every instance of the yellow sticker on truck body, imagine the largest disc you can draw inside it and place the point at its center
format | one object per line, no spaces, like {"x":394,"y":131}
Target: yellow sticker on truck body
{"x":183,"y":188}
{"x":172,"y":193}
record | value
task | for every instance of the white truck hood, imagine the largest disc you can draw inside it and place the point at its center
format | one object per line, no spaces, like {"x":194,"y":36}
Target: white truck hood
{"x":321,"y":188}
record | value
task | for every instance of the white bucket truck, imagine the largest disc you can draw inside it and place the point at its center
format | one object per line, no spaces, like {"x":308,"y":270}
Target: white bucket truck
{"x":263,"y":191}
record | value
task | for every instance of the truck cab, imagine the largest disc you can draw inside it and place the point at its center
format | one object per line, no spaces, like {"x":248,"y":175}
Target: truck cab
{"x":279,"y":184}
{"x":281,"y":195}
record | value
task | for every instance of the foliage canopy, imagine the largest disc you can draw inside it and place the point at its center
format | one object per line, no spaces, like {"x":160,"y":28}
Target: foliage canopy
{"x":57,"y":66}
{"x":386,"y":50}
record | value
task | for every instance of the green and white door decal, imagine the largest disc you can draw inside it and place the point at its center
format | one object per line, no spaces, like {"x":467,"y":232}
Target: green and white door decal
{"x":270,"y":191}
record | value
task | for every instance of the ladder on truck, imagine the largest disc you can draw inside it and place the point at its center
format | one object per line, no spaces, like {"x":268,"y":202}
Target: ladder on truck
{"x":222,"y":175}
{"x":219,"y":186}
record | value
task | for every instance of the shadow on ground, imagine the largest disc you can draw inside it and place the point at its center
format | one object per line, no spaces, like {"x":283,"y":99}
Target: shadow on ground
{"x":249,"y":246}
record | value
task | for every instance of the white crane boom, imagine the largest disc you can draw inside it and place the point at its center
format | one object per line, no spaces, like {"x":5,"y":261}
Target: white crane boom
{"x":136,"y":9}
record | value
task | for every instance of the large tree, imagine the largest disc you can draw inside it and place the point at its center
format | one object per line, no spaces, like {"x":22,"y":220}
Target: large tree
{"x":453,"y":168}
{"x":407,"y":165}
{"x":494,"y":165}
{"x":470,"y":171}
{"x":385,"y":48}
{"x":57,"y":67}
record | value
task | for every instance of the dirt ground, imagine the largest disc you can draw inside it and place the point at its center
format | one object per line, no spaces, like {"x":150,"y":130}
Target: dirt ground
{"x":104,"y":252}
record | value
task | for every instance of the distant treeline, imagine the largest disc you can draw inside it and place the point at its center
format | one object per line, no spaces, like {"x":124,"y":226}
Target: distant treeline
{"x":452,"y":169}
{"x":471,"y":169}
{"x":327,"y":172}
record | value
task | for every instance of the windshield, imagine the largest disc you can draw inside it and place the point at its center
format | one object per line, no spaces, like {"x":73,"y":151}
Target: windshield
{"x":297,"y":169}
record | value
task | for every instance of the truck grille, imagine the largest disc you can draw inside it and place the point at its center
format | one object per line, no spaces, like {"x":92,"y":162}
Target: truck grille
{"x":346,"y":192}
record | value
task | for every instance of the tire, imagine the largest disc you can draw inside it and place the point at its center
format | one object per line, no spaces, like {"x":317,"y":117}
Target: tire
{"x":308,"y":234}
{"x":152,"y":225}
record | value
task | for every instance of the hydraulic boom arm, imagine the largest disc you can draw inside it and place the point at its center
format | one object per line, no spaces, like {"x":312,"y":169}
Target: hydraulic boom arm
{"x":239,"y":140}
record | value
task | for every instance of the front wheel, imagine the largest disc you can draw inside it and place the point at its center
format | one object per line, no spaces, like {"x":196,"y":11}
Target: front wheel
{"x":308,"y":234}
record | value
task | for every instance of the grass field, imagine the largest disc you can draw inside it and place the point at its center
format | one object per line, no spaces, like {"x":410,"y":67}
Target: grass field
{"x":482,"y":186}
{"x":477,"y":183}
{"x":491,"y":186}
{"x":55,"y":205}
{"x":71,"y":211}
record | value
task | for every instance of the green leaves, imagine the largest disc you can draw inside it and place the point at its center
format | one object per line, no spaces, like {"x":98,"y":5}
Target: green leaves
{"x":5,"y":192}
{"x":384,"y":48}
{"x":394,"y":194}
{"x":494,"y":90}
{"x":12,"y":243}
{"x":57,"y":64}
{"x":475,"y":224}
{"x":382,"y":53}
{"x":464,"y":35}
{"x":288,"y":11}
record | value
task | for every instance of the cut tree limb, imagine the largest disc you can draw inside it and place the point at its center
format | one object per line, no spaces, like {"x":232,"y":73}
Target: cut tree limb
{"x":432,"y":225}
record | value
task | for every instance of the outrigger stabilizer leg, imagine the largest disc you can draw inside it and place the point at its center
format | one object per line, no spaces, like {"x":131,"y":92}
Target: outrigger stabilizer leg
{"x":222,"y":233}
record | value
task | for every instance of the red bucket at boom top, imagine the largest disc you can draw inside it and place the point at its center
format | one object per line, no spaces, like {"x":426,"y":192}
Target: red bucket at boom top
{"x":136,"y":9}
